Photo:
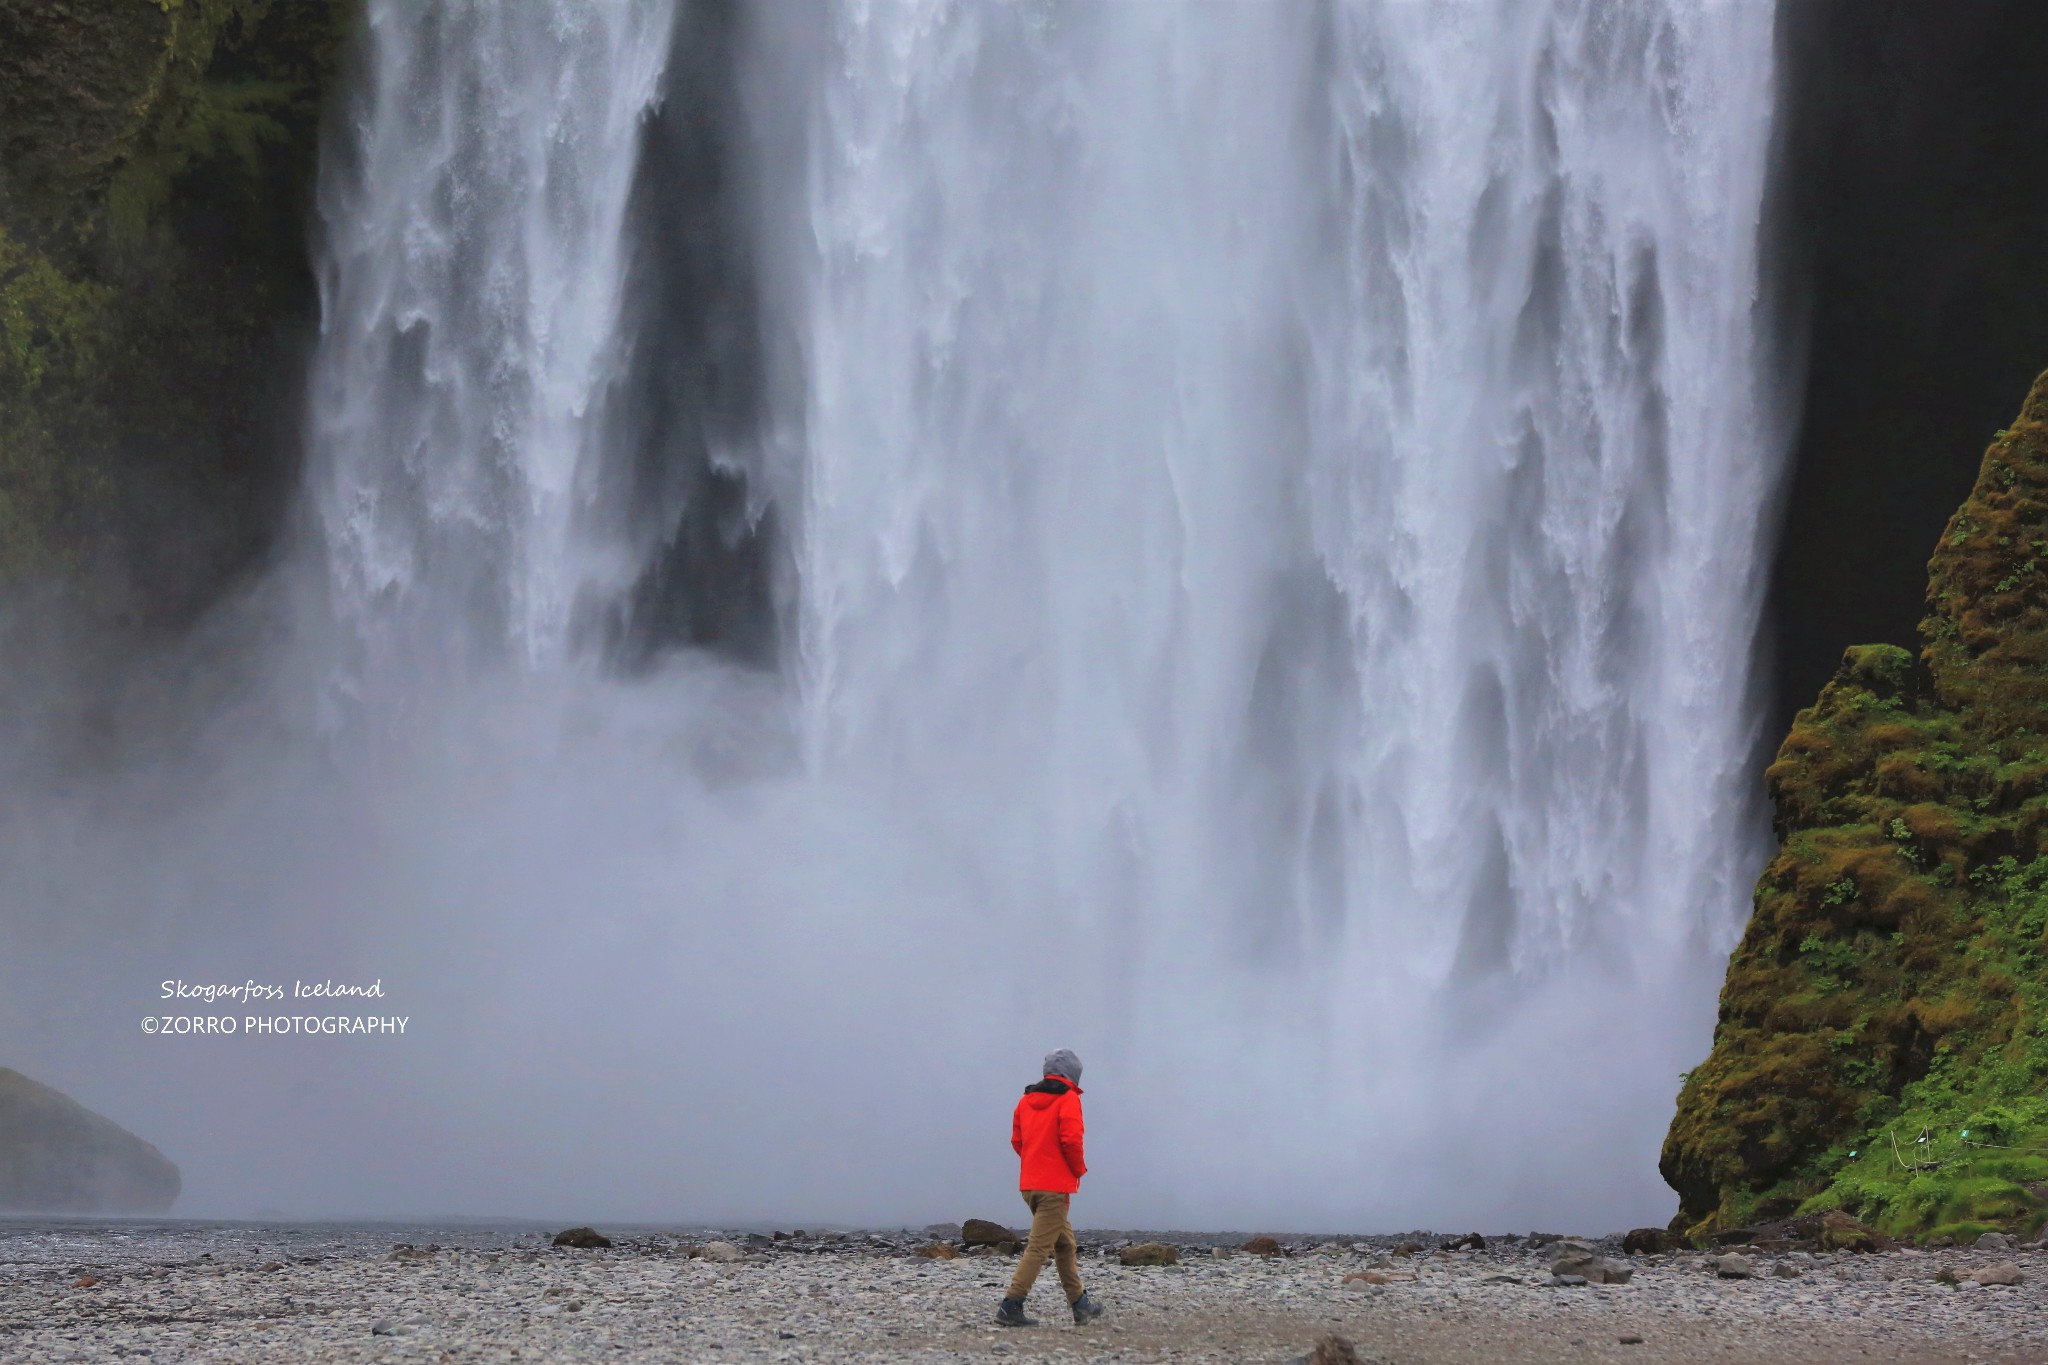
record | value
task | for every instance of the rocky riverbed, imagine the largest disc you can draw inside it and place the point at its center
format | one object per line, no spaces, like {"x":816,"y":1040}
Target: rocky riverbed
{"x":96,"y":1290}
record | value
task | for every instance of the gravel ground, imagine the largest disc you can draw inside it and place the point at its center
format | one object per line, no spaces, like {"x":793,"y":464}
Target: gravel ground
{"x":84,"y":1290}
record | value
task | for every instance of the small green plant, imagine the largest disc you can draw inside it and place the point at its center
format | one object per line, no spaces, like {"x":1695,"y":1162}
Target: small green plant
{"x":1832,"y":961}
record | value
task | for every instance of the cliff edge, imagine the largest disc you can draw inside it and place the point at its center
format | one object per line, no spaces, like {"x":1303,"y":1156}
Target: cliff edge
{"x":1882,"y":1044}
{"x":57,"y":1156}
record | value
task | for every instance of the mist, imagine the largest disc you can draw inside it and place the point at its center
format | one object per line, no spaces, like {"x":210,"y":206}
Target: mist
{"x":845,"y":547}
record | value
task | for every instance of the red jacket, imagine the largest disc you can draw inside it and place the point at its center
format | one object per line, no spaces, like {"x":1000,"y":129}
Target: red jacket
{"x":1046,"y":1131}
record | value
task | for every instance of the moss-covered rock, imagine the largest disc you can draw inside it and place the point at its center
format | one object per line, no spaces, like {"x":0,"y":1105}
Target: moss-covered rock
{"x":1882,"y":1044}
{"x":155,"y":163}
{"x":76,"y":83}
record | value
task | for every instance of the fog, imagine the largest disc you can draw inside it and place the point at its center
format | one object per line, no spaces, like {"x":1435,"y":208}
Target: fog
{"x":846,"y":547}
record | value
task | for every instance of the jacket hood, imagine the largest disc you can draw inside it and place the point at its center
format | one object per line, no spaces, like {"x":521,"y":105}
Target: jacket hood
{"x":1048,"y":1091}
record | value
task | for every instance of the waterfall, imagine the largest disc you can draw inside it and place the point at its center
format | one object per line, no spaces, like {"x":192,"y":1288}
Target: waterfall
{"x":1251,"y":525}
{"x":471,"y":291}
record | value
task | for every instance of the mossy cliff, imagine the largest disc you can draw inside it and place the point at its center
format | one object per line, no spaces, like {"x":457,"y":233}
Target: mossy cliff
{"x":155,"y":164}
{"x":1883,"y":1037}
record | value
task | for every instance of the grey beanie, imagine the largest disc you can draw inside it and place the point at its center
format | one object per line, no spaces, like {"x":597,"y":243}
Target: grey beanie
{"x":1063,"y":1063}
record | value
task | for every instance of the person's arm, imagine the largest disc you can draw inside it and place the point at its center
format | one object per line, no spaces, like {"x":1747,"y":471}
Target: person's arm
{"x":1017,"y":1129}
{"x":1071,"y":1135}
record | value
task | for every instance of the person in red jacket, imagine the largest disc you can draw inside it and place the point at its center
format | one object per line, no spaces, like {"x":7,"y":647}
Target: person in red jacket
{"x":1046,"y":1131}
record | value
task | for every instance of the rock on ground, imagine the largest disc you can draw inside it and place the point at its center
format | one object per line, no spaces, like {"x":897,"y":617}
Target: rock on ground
{"x":1651,"y":1242}
{"x":977,"y":1232}
{"x":1575,"y":1259}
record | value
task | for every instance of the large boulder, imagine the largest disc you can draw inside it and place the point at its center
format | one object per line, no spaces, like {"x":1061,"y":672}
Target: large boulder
{"x":57,"y":1156}
{"x":1840,"y":1232}
{"x":1651,"y":1242}
{"x":1576,"y":1258}
{"x":980,"y":1232}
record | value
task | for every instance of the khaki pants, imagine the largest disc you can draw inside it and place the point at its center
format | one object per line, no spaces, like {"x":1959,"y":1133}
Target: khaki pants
{"x":1051,"y":1235}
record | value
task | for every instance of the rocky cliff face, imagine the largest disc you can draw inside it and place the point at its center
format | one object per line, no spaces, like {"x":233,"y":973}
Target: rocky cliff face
{"x":57,"y":1156}
{"x":1883,"y":1036}
{"x":155,"y":160}
{"x":1907,"y":242}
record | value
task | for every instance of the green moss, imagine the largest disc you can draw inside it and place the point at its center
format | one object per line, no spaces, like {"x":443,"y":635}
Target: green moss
{"x":155,"y":164}
{"x":200,"y":117}
{"x":49,"y":324}
{"x":50,"y":330}
{"x":1881,"y":1044}
{"x":77,"y":83}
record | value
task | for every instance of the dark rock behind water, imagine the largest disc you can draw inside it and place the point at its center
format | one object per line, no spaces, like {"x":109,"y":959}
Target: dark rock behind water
{"x":57,"y":1156}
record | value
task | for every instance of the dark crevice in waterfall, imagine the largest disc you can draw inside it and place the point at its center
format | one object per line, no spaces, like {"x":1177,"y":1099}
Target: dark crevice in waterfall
{"x":1540,"y":326}
{"x":1485,"y":743}
{"x":1486,"y":936}
{"x":676,"y":477}
{"x":1913,"y":218}
{"x":1297,"y":716}
{"x":1642,"y":536}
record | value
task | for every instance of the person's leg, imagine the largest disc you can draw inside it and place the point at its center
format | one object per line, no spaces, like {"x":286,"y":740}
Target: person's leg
{"x":1066,"y":1252}
{"x":1046,"y":1221}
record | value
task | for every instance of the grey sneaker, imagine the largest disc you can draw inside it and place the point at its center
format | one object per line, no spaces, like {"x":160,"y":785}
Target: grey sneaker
{"x":1011,"y":1314}
{"x":1086,"y":1310}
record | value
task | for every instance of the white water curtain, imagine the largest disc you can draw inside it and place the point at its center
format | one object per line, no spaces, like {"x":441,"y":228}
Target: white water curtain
{"x":1271,"y":549}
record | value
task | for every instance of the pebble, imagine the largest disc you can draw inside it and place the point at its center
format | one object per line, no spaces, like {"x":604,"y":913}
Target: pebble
{"x":245,"y":1294}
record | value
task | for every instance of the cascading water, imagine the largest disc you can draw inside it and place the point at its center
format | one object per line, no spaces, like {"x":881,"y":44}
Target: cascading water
{"x":472,"y":293}
{"x":1293,"y":479}
{"x":868,"y":541}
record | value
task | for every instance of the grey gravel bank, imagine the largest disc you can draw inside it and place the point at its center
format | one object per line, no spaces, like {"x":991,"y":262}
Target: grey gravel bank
{"x":169,"y":1292}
